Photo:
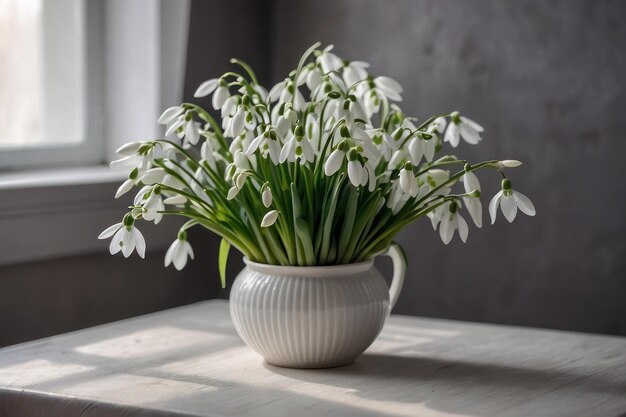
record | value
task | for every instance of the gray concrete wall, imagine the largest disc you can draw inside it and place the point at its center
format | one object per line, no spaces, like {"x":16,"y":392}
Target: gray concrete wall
{"x":546,"y":79}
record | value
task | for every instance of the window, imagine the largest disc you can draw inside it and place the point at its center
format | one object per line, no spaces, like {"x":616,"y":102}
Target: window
{"x":43,"y":83}
{"x":78,"y":78}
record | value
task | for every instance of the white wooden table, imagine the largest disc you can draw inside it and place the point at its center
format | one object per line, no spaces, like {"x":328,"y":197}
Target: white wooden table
{"x":188,"y":361}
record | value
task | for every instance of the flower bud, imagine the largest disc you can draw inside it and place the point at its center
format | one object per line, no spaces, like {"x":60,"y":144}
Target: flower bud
{"x":266,"y":196}
{"x":509,"y":163}
{"x":232,"y":193}
{"x":270,"y":218}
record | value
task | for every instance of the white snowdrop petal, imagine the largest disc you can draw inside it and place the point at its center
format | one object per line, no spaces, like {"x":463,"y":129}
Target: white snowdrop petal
{"x":509,"y":207}
{"x":219,"y":97}
{"x":493,"y":206}
{"x":452,"y":135}
{"x":170,"y":114}
{"x":206,"y":88}
{"x":170,"y":253}
{"x":125,"y":163}
{"x":333,"y":163}
{"x":237,"y":123}
{"x":446,"y":229}
{"x":115,"y":245}
{"x":140,"y":242}
{"x":475,"y":209}
{"x":355,"y":172}
{"x":175,"y":200}
{"x":124,"y":188}
{"x":174,"y":126}
{"x":128,"y":242}
{"x":191,"y":133}
{"x":189,"y":249}
{"x":129,"y":149}
{"x":153,"y":176}
{"x":179,"y":258}
{"x":232,"y":193}
{"x":274,"y":151}
{"x":463,"y":229}
{"x":524,"y":203}
{"x":405,"y":180}
{"x":469,"y":122}
{"x":470,"y":182}
{"x":110,"y":231}
{"x":388,"y":84}
{"x":469,"y":135}
{"x":440,"y":124}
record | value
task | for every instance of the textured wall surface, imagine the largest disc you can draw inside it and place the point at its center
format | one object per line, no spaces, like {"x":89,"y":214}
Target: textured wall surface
{"x":546,"y":79}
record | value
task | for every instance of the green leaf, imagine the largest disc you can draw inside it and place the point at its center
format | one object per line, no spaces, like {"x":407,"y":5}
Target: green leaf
{"x":222,"y":258}
{"x":348,"y":222}
{"x":304,"y":234}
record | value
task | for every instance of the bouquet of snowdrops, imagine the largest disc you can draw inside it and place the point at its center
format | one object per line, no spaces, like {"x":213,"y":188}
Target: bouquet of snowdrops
{"x":323,"y":169}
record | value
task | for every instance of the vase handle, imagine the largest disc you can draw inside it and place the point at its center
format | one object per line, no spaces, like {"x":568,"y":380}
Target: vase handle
{"x":398,"y":258}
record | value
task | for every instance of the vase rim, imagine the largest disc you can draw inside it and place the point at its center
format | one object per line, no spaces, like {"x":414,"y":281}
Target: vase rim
{"x":316,"y":271}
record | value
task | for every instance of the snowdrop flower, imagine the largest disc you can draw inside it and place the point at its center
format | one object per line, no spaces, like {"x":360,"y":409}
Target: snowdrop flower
{"x":153,"y":207}
{"x":355,"y":168}
{"x":234,"y":125}
{"x":462,"y":127}
{"x":297,"y":147}
{"x":438,"y":125}
{"x":178,"y":252}
{"x":152,"y":176}
{"x":452,"y":221}
{"x":388,"y":87}
{"x":220,"y":95}
{"x":267,"y":142}
{"x":335,"y":159}
{"x":170,"y":114}
{"x":472,"y":202}
{"x":266,"y":195}
{"x":206,"y":88}
{"x":408,"y":182}
{"x":270,"y":218}
{"x":126,"y":238}
{"x":329,"y":61}
{"x":355,"y":72}
{"x":286,"y":91}
{"x":175,"y":200}
{"x":192,"y":134}
{"x":509,"y":201}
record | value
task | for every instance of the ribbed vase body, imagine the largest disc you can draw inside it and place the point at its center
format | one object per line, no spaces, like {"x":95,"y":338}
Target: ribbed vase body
{"x":309,"y":317}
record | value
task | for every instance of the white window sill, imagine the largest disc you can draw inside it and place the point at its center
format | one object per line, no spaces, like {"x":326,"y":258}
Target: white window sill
{"x":57,"y":213}
{"x":97,"y":174}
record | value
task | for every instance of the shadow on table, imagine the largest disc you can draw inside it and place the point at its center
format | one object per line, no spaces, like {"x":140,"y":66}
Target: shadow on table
{"x":434,"y":382}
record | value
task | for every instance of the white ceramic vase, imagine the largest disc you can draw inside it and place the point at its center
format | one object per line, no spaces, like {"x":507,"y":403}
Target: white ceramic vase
{"x":313,"y":316}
